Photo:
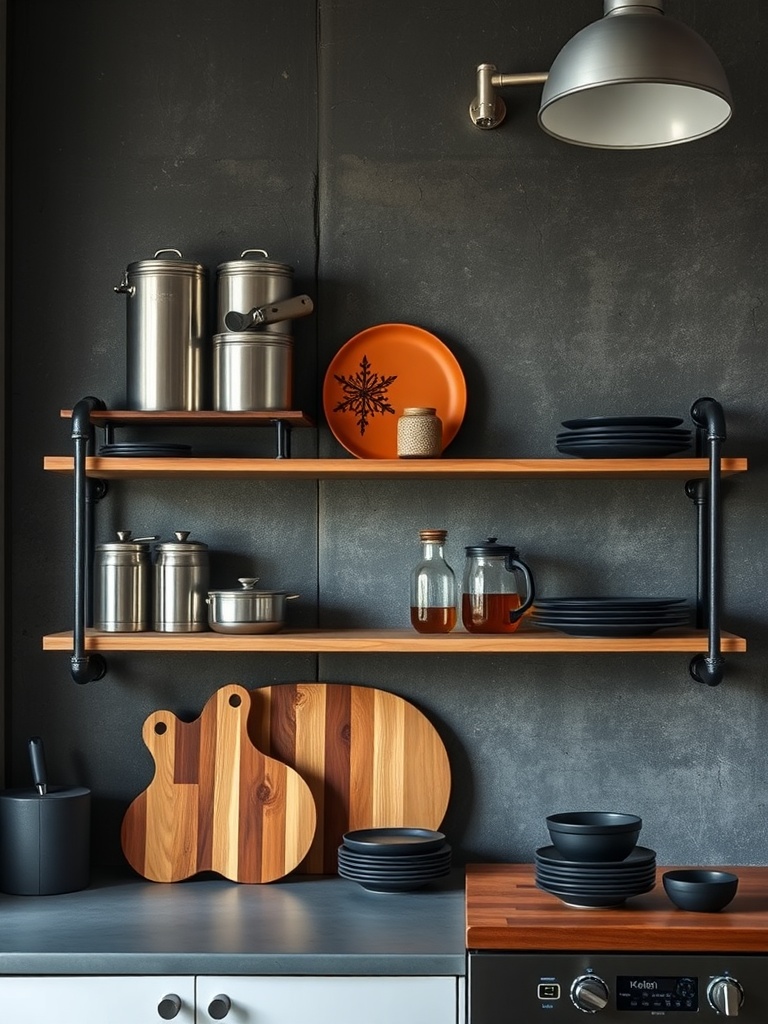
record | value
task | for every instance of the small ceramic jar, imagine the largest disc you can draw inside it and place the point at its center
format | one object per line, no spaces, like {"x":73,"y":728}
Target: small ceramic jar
{"x":419,"y":434}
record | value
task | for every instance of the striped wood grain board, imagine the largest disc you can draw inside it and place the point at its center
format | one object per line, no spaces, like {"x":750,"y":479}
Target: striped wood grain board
{"x":216,"y":803}
{"x":371,"y":759}
{"x":505,"y":910}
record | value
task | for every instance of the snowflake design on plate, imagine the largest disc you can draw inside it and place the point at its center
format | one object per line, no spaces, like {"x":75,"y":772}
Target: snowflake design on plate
{"x":366,"y":394}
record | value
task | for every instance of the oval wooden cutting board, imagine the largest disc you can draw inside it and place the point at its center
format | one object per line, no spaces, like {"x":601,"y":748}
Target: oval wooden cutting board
{"x":371,"y":759}
{"x":216,"y":802}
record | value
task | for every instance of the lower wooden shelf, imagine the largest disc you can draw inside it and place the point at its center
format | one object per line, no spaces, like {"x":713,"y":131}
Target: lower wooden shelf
{"x":361,"y":641}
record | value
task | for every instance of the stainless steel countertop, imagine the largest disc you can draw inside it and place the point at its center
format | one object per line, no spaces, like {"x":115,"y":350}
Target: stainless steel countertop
{"x":305,"y":925}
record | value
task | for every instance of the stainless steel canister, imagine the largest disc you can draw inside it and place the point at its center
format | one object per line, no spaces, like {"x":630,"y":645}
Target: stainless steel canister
{"x":181,"y":585}
{"x":252,"y":371}
{"x":251,"y":282}
{"x":166,"y":332}
{"x":121,"y":583}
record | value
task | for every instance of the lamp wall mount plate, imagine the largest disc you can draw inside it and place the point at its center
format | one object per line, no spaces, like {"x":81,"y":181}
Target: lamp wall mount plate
{"x":633,"y":80}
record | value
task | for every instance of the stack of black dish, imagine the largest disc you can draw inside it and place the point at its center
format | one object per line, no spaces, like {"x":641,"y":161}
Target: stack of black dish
{"x":394,"y":859}
{"x":594,"y":860}
{"x":144,"y":449}
{"x":610,"y":616}
{"x":624,"y":437}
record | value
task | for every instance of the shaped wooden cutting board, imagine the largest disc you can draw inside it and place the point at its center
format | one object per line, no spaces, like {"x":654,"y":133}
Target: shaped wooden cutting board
{"x":371,"y":759}
{"x":216,"y":803}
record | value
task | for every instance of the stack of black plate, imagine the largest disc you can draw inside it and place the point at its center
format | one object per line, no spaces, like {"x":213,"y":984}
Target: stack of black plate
{"x":610,"y":616}
{"x":595,"y":883}
{"x":624,"y":437}
{"x":144,"y":449}
{"x":394,"y":859}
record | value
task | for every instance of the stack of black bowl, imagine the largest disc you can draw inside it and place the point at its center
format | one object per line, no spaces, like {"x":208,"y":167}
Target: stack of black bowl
{"x":394,"y":859}
{"x":594,"y":860}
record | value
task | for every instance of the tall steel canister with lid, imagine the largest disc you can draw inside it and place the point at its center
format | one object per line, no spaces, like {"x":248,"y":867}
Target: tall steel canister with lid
{"x":122,"y":584}
{"x":166,"y":332}
{"x":181,"y":585}
{"x":249,"y":283}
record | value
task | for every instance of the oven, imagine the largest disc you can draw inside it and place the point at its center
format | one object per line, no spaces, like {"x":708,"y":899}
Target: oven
{"x":531,"y":958}
{"x":632,"y":988}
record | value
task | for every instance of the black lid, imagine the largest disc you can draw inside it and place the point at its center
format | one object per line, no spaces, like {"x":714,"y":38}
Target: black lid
{"x":491,"y":548}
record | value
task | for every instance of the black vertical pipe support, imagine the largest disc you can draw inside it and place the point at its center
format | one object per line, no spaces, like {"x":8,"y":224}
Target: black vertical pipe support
{"x":708,"y":417}
{"x":85,"y":668}
{"x":697,"y":491}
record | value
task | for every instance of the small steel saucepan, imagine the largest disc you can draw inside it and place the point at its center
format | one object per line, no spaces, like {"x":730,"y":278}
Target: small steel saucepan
{"x":247,"y":610}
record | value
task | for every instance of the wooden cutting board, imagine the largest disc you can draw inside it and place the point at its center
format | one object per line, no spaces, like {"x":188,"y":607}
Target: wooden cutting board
{"x":371,"y":759}
{"x":216,"y":802}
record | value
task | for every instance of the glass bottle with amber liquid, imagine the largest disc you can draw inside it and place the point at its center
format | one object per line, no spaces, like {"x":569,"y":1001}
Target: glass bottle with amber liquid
{"x":433,"y":587}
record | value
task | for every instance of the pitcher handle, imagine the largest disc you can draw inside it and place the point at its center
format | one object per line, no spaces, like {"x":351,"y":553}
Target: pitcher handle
{"x":515,"y":563}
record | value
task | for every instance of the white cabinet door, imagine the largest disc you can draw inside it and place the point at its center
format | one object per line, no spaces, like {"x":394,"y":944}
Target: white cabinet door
{"x":95,"y":1000}
{"x":327,"y":1000}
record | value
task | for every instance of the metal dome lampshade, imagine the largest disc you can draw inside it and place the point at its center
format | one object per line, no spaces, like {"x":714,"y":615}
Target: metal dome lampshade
{"x":633,"y":80}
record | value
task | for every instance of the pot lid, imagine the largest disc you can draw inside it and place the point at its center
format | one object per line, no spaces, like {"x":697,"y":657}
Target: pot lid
{"x":491,"y":549}
{"x":255,"y":260}
{"x":181,"y":543}
{"x":247,"y":584}
{"x":175,"y":264}
{"x":125,"y":542}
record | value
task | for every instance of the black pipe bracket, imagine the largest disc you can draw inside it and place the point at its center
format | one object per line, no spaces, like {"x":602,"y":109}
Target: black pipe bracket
{"x":709,"y":420}
{"x":85,"y":668}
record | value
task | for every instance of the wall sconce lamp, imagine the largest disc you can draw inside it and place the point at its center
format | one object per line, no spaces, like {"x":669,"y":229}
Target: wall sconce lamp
{"x":633,"y":80}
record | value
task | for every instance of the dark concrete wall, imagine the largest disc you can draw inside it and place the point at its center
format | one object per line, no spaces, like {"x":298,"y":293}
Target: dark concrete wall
{"x":567,"y":282}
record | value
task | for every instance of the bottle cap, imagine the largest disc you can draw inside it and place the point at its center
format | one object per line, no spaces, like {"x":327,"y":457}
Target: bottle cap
{"x":433,"y":535}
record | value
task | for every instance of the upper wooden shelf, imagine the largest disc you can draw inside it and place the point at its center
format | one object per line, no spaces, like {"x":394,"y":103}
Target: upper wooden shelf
{"x":340,"y":469}
{"x":527,"y":640}
{"x":208,"y":418}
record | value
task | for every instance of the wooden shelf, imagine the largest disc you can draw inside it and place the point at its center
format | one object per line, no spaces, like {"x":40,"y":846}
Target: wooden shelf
{"x":430,"y":469}
{"x":208,"y":418}
{"x":379,"y":641}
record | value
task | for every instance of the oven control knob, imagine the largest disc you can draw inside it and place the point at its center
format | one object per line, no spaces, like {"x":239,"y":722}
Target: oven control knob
{"x":589,"y":993}
{"x":725,"y":996}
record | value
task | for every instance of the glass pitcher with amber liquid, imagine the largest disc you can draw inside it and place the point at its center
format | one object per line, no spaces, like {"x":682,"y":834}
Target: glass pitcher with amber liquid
{"x":497,"y":588}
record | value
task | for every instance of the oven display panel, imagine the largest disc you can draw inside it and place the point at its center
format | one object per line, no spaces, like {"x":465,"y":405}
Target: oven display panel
{"x":657,"y":993}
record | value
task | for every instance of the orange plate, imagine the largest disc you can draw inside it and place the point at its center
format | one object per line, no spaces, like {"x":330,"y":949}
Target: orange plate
{"x":380,"y":372}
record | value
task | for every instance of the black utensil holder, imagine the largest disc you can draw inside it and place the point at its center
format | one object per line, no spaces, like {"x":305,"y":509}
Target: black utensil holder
{"x":44,"y":840}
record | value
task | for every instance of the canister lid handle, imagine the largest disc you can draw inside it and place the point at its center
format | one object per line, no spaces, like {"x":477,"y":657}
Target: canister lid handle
{"x":245,"y":252}
{"x":167,"y":250}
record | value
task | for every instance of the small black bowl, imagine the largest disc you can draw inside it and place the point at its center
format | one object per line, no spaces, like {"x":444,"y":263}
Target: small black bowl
{"x":700,"y":889}
{"x":594,"y":835}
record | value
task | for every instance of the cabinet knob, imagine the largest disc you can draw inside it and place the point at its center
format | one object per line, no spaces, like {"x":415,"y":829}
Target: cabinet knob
{"x":219,"y":1007}
{"x":169,"y":1006}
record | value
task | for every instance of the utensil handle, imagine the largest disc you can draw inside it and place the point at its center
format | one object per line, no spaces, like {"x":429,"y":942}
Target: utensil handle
{"x":37,"y":760}
{"x":285,"y":309}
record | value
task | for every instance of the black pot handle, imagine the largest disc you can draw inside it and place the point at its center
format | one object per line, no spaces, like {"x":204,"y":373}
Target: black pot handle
{"x":514,"y":563}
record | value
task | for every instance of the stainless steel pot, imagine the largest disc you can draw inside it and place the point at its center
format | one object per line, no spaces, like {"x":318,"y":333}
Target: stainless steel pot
{"x":252,"y":372}
{"x":251,"y":282}
{"x":247,"y":610}
{"x":166,"y":332}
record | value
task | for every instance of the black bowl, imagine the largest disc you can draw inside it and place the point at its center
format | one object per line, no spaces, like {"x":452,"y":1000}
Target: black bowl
{"x":700,"y":889}
{"x":594,"y":835}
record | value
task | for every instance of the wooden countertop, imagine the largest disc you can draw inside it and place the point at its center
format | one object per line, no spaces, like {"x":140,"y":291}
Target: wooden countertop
{"x":505,"y":910}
